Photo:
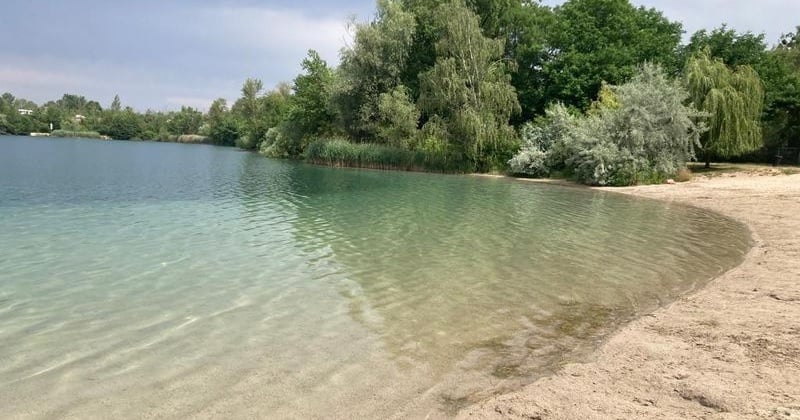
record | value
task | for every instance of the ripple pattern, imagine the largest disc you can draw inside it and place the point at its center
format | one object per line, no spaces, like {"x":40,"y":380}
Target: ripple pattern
{"x":174,"y":281}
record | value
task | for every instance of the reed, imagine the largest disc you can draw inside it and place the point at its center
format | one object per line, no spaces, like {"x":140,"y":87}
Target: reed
{"x":342,"y":153}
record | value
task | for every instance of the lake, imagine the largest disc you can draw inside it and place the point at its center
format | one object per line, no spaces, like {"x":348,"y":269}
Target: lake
{"x":173,"y":281}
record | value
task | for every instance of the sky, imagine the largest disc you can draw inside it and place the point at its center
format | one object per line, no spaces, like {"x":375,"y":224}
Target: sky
{"x":161,"y":55}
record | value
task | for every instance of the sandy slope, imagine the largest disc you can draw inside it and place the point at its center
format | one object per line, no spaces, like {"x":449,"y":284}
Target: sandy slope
{"x":729,"y":351}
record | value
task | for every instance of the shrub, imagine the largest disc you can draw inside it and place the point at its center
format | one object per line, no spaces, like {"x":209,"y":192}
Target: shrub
{"x":531,"y":162}
{"x":80,"y":134}
{"x":338,"y":152}
{"x":684,"y":175}
{"x":640,"y":133}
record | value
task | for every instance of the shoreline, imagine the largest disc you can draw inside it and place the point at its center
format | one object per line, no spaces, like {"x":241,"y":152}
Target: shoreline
{"x":729,"y":349}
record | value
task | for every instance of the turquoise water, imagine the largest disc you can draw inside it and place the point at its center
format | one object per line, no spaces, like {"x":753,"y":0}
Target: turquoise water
{"x":173,"y":281}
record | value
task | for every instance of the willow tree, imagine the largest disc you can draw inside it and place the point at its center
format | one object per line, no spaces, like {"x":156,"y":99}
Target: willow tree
{"x":733,"y":99}
{"x":468,"y":94}
{"x":371,"y":67}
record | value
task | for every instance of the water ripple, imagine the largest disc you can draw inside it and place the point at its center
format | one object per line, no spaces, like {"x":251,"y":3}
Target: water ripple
{"x":148,"y":279}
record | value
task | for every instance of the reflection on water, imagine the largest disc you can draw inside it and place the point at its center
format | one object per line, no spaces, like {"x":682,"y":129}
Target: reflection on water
{"x":149,"y":279}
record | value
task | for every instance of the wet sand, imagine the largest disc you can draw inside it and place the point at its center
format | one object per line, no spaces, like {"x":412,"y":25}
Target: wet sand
{"x":729,"y":351}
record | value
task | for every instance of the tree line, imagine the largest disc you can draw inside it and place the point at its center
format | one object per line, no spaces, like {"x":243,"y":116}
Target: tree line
{"x":76,"y":116}
{"x":480,"y":85}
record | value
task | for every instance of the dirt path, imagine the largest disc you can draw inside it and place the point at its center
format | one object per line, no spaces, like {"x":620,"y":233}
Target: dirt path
{"x":729,"y":351}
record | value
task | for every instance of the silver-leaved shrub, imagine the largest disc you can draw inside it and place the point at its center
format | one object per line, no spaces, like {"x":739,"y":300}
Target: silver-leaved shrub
{"x":640,"y":132}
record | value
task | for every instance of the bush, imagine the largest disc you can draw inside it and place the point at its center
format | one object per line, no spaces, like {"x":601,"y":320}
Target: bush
{"x":684,"y":175}
{"x":78,"y":134}
{"x":193,"y":138}
{"x":531,"y":162}
{"x":645,"y":137}
{"x":342,"y":153}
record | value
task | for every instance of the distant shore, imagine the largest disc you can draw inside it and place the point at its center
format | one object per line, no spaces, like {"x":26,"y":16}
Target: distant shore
{"x":730,"y":350}
{"x":93,"y":135}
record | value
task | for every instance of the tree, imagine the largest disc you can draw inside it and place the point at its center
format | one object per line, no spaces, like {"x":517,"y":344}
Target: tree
{"x":374,"y":65}
{"x":398,"y":118}
{"x":221,"y":125}
{"x":309,"y":114}
{"x":733,"y":48}
{"x":733,"y":98}
{"x":526,"y":45}
{"x":116,"y":104}
{"x":780,"y":72}
{"x":592,"y":41}
{"x":275,"y":105}
{"x":248,"y":109}
{"x":309,"y":110}
{"x":187,"y":121}
{"x":469,"y":89}
{"x":122,"y":125}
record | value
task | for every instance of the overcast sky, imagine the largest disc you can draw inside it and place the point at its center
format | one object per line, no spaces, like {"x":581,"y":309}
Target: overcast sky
{"x":162,"y":54}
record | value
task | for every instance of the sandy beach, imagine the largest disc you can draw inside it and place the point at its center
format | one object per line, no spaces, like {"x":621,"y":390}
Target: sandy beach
{"x":728,"y":351}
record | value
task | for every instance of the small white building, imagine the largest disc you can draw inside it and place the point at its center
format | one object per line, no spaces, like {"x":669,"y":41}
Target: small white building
{"x":23,"y":111}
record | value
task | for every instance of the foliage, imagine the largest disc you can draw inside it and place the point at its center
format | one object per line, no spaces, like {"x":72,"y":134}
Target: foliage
{"x":733,"y":98}
{"x":398,"y":118}
{"x":80,"y":134}
{"x":308,"y":115}
{"x":187,"y":121}
{"x":543,"y":143}
{"x":592,"y":41}
{"x":647,"y":135}
{"x":734,"y":49}
{"x":469,"y":89}
{"x":780,"y":73}
{"x":121,"y":125}
{"x":248,"y":108}
{"x":372,"y":67}
{"x":342,"y":153}
{"x":446,"y":80}
{"x":220,"y":124}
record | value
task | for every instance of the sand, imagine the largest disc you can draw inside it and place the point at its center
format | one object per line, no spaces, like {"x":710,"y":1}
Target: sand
{"x":728,"y":351}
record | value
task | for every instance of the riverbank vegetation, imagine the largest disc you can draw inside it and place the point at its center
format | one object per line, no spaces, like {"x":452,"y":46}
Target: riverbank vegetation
{"x":597,"y":90}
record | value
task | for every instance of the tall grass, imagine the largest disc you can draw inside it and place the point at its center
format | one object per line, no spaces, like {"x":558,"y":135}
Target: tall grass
{"x":342,"y":153}
{"x":81,"y":134}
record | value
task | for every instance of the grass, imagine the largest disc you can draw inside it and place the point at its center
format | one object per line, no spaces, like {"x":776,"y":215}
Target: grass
{"x":81,"y":134}
{"x":341,"y":153}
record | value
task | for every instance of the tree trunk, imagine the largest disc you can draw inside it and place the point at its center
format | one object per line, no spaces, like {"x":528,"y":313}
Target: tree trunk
{"x":708,"y":159}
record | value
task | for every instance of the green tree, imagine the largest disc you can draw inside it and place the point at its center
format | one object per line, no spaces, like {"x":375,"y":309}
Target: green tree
{"x":733,"y":48}
{"x":374,"y":65}
{"x":733,"y":98}
{"x":592,"y":41}
{"x":120,"y":124}
{"x":469,"y":89}
{"x":780,"y":72}
{"x":187,"y":121}
{"x":275,"y":106}
{"x":309,"y":110}
{"x":221,"y":125}
{"x":248,"y":109}
{"x":116,"y":104}
{"x":398,"y":118}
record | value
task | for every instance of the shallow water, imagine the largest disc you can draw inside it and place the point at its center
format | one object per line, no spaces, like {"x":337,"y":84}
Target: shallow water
{"x":145,"y":279}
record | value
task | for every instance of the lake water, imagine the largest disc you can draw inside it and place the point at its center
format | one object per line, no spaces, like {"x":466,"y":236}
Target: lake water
{"x":171,"y":281}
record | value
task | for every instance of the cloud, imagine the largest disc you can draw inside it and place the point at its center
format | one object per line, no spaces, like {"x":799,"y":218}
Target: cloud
{"x":31,"y":76}
{"x":152,"y":54}
{"x":158,"y":54}
{"x":279,"y":32}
